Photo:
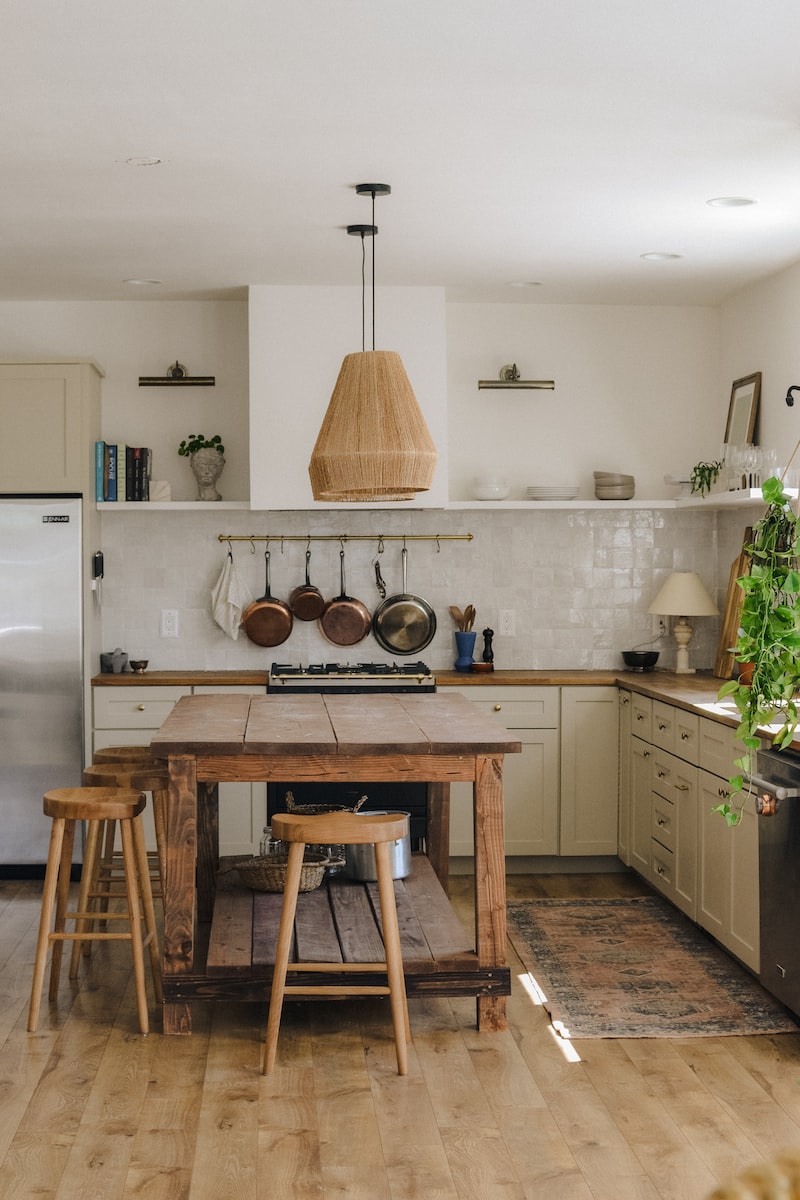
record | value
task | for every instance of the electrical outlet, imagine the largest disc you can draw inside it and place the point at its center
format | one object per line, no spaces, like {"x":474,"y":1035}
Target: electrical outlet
{"x":169,"y":622}
{"x":659,"y":627}
{"x":507,"y":622}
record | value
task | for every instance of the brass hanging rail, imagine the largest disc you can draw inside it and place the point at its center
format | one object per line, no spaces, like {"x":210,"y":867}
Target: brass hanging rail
{"x":345,"y":537}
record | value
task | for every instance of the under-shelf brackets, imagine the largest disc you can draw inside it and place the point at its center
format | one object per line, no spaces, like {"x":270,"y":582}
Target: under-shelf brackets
{"x":509,"y":378}
{"x":177,"y":376}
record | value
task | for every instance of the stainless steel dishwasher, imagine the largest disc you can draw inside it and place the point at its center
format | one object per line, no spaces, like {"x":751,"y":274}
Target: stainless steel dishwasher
{"x":777,"y":786}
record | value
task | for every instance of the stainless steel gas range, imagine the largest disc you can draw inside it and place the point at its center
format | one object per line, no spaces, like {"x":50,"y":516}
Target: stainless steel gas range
{"x":350,"y":678}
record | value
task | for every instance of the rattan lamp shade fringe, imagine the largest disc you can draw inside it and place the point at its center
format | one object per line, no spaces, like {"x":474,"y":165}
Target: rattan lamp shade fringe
{"x":373,"y":443}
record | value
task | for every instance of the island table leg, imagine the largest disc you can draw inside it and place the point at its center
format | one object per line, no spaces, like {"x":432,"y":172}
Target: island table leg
{"x":490,"y":883}
{"x":179,"y":890}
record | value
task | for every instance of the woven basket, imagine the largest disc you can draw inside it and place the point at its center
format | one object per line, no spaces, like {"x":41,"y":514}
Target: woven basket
{"x":312,"y":810}
{"x":267,"y":873}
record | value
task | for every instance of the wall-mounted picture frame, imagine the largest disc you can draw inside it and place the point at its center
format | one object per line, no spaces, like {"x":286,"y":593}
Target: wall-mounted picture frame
{"x":743,"y":410}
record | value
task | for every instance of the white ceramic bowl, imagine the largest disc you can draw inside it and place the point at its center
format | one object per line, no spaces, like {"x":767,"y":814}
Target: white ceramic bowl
{"x":489,"y":489}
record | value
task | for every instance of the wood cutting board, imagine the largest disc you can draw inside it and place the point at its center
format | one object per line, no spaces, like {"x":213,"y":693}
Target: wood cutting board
{"x":724,"y":661}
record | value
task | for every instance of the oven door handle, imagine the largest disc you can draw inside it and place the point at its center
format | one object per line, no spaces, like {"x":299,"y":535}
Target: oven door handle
{"x":781,"y":793}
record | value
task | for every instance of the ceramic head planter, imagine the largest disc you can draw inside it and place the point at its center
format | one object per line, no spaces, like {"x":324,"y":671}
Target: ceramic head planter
{"x":206,"y":458}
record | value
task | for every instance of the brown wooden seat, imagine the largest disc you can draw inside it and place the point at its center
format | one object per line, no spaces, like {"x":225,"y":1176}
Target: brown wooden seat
{"x":115,"y":754}
{"x":145,"y":776}
{"x":341,"y":828}
{"x":96,"y":806}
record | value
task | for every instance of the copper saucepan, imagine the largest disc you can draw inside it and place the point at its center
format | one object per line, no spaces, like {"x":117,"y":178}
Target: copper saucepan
{"x":345,"y":621}
{"x":267,"y":621}
{"x":306,"y":601}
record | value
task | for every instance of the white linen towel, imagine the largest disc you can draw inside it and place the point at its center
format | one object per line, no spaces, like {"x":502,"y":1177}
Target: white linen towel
{"x":229,"y":598}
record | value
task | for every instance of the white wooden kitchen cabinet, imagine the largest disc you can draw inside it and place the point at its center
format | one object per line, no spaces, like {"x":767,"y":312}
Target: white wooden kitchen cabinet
{"x":677,"y":773}
{"x":530,"y":779}
{"x":728,"y":891}
{"x":588,"y":815}
{"x":129,"y":716}
{"x":50,"y":415}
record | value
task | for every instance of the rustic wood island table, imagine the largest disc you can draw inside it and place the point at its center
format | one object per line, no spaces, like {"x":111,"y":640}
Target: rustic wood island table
{"x":433,"y":738}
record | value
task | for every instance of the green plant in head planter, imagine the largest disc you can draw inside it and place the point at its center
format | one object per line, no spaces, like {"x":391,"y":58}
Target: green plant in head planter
{"x":769,"y":638}
{"x":206,"y":458}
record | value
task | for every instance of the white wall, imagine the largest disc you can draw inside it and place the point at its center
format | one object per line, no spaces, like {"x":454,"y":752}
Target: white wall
{"x":637,"y":391}
{"x":760,"y":331}
{"x":135,"y":338}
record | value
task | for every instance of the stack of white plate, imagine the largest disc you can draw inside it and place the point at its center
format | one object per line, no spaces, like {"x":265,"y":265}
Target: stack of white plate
{"x":608,"y":485}
{"x":563,"y":491}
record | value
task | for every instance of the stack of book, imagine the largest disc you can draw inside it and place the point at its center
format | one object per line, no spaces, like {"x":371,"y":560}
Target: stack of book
{"x":122,"y":472}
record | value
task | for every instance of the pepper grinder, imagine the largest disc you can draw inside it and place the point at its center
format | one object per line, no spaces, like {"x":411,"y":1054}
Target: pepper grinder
{"x":488,"y":653}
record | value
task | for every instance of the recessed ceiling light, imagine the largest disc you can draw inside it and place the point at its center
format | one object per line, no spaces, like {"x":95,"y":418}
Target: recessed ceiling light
{"x":730,"y":202}
{"x":659,"y":256}
{"x":142,"y":282}
{"x":142,"y":160}
{"x":523,"y":283}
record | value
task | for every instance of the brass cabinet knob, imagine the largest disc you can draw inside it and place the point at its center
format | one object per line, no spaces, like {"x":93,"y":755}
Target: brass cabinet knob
{"x":498,"y":707}
{"x":140,"y":707}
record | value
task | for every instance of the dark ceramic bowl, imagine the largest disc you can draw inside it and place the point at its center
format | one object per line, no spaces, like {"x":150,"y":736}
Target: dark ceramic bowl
{"x":640,"y":660}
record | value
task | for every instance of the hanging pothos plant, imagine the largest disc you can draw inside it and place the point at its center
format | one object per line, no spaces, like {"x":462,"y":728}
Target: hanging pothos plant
{"x":769,"y":638}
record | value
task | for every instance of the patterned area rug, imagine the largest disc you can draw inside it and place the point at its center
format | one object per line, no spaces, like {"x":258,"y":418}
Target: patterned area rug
{"x":636,"y":968}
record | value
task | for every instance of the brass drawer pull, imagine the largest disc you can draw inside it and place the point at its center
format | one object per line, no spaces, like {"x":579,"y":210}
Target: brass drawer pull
{"x":498,"y":708}
{"x":140,"y":707}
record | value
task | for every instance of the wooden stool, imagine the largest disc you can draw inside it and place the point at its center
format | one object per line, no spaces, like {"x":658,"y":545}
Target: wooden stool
{"x":353,"y":829}
{"x":95,"y":805}
{"x":117,"y":754}
{"x":145,"y":776}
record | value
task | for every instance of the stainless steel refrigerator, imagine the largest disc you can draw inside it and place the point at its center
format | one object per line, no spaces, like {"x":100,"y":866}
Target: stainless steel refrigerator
{"x":41,"y":692}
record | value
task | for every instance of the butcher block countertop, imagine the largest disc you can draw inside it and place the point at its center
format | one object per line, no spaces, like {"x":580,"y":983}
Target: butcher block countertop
{"x":696,"y":693}
{"x":183,"y":679}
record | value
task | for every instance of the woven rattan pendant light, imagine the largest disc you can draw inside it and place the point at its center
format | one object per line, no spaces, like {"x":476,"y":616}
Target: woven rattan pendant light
{"x":373,"y":444}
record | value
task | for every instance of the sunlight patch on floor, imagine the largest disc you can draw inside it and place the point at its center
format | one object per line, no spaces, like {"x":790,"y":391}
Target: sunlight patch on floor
{"x":557,"y":1031}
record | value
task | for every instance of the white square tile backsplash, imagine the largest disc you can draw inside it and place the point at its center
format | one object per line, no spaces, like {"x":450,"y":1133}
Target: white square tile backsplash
{"x":578,"y":580}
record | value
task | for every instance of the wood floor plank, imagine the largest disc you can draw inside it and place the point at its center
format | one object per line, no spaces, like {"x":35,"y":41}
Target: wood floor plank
{"x":351,"y":1154}
{"x":413,"y":1151}
{"x":225,"y":1162}
{"x":716,"y":1133}
{"x":766,"y":1124}
{"x":648,"y":1127}
{"x":99,"y":1158}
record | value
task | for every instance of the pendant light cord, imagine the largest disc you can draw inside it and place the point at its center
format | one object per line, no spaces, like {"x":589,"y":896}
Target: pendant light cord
{"x":363,"y":294}
{"x":374,"y":236}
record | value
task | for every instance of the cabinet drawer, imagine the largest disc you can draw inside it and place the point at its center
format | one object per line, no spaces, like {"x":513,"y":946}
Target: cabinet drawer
{"x":672,"y":777}
{"x":135,"y":707}
{"x":641,"y":717}
{"x":663,"y":868}
{"x":663,"y":822}
{"x":676,"y":730}
{"x":518,"y":708}
{"x":718,"y":748}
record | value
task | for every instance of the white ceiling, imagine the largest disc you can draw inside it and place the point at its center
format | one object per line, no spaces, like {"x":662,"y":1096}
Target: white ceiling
{"x":523,"y":140}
